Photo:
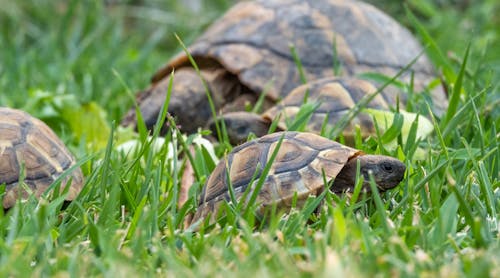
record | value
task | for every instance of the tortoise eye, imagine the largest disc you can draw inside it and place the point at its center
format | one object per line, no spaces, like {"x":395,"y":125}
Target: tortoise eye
{"x":387,"y":167}
{"x":242,"y":130}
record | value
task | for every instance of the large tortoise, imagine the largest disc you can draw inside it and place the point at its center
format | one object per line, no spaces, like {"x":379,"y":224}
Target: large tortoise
{"x":247,"y":52}
{"x":300,"y":166}
{"x":26,"y":142}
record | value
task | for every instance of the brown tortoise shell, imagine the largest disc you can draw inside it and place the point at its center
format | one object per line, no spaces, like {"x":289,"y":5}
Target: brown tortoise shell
{"x":252,"y":40}
{"x":335,"y":97}
{"x":28,"y":142}
{"x":297,"y":169}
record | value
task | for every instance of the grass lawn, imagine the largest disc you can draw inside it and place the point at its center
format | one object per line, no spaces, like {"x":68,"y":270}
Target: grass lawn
{"x":76,"y":64}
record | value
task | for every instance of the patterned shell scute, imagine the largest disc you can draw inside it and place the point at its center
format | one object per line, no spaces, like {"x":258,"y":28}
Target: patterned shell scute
{"x":297,"y":169}
{"x":335,"y":97}
{"x":27,"y":142}
{"x":253,"y":39}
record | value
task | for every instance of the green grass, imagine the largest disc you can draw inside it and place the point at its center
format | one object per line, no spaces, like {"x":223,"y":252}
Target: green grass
{"x":72,"y":62}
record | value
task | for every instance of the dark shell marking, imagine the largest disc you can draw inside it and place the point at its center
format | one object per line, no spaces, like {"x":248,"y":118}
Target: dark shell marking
{"x":297,"y":169}
{"x":27,"y":142}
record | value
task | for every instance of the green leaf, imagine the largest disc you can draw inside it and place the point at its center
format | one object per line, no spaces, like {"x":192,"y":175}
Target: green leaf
{"x":88,"y":123}
{"x":393,"y":124}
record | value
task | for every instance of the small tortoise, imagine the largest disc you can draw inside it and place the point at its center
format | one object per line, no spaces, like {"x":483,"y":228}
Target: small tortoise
{"x":297,"y":169}
{"x":28,"y":142}
{"x":247,"y":52}
{"x":333,"y":97}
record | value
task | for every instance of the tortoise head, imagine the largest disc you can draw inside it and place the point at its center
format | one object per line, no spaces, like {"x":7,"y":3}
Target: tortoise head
{"x":240,"y":124}
{"x":387,"y":172}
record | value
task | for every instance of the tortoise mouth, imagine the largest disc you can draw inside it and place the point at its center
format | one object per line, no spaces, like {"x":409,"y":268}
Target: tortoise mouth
{"x":365,"y":186}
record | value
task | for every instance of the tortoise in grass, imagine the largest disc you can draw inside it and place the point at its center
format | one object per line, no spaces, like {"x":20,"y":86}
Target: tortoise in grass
{"x":247,"y":52}
{"x":332,"y":99}
{"x":29,"y":145}
{"x":299,"y":168}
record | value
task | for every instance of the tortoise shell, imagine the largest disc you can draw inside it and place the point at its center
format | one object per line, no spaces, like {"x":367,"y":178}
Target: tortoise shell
{"x":298,"y":169}
{"x":335,"y":98}
{"x":28,"y":143}
{"x":252,"y":40}
{"x":332,"y":99}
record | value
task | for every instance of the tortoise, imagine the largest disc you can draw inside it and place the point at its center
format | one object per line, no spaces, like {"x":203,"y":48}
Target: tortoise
{"x":333,"y":97}
{"x":247,"y":53}
{"x":298,"y":168}
{"x":27,"y":142}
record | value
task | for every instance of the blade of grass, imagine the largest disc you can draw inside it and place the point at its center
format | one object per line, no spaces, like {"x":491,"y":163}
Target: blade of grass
{"x":264,"y":174}
{"x":300,"y":68}
{"x":461,"y":115}
{"x":444,"y":148}
{"x":484,"y":181}
{"x":379,"y":205}
{"x":434,"y":50}
{"x":207,"y":91}
{"x":141,"y":124}
{"x":420,"y":185}
{"x":456,"y":92}
{"x":257,"y":108}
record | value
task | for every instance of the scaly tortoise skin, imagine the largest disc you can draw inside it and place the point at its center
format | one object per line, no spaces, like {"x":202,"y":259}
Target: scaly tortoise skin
{"x":247,"y":52}
{"x":28,"y":142}
{"x":297,"y":169}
